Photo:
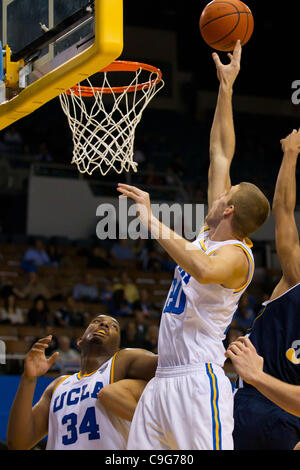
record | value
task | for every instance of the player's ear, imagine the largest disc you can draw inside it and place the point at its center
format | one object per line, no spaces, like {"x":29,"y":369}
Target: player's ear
{"x":79,"y":342}
{"x":228,"y":211}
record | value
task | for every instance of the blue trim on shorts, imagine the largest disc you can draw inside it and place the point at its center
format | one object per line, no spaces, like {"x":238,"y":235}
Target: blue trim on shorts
{"x":214,"y":402}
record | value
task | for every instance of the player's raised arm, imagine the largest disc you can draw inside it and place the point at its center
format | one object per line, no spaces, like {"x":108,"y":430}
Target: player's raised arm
{"x":287,"y":237}
{"x":122,"y":397}
{"x":222,"y":138}
{"x":27,"y":425}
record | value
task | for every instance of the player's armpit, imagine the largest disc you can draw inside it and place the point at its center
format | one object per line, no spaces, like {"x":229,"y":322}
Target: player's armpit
{"x":122,"y":397}
{"x":228,"y":266}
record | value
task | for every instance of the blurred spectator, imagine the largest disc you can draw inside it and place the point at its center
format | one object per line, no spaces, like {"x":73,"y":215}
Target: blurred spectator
{"x":129,"y":337}
{"x":10,"y":313}
{"x":106,"y":293}
{"x":44,"y":155}
{"x":7,"y":288}
{"x":119,"y":306}
{"x":178,"y":166}
{"x":87,"y":290}
{"x":70,"y":314}
{"x":54,"y":254}
{"x":68,"y":360}
{"x":13,"y":139}
{"x":170,"y":177}
{"x":39,"y":314}
{"x":154,"y":261}
{"x":35,"y":288}
{"x":151,"y":339}
{"x":131,"y":292}
{"x":35,"y":256}
{"x":200,"y":194}
{"x":143,"y":303}
{"x":151,"y":178}
{"x":245,"y":314}
{"x":98,"y":259}
{"x":141,"y":324}
{"x":138,"y":155}
{"x":168,"y":264}
{"x":122,"y":251}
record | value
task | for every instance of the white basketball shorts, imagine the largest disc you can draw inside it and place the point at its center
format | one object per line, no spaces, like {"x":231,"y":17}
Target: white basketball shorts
{"x":184,"y":408}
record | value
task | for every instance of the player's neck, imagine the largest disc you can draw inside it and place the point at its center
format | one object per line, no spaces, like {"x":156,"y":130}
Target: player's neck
{"x":91,"y":362}
{"x":223,"y":232}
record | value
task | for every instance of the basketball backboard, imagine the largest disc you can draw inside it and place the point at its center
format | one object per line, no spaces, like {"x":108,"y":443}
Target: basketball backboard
{"x":51,"y":45}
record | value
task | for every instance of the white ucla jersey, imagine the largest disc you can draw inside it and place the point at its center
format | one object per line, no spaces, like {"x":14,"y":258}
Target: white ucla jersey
{"x":78,"y":421}
{"x":196,"y":316}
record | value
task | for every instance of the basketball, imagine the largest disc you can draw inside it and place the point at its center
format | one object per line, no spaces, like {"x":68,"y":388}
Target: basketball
{"x":223,"y":23}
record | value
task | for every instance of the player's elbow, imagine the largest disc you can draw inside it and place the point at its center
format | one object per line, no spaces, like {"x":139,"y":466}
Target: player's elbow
{"x":203,"y":274}
{"x":14,"y":443}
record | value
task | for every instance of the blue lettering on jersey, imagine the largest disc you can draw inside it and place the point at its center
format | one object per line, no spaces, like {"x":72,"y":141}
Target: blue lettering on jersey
{"x":185,"y":276}
{"x":84,"y":395}
{"x":88,"y":425}
{"x":58,"y":406}
{"x":70,"y":400}
{"x":176,"y":300}
{"x":98,"y":387}
{"x":75,"y":395}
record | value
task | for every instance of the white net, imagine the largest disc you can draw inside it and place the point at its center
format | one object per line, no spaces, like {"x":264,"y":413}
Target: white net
{"x":103,"y":125}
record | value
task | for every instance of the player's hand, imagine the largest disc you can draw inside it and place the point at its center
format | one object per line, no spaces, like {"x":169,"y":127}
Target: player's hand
{"x":227,"y":73}
{"x":35,"y":362}
{"x":291,"y":142}
{"x":142,"y":200}
{"x":248,"y":364}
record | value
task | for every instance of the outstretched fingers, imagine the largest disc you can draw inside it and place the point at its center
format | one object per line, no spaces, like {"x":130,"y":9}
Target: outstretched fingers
{"x":237,"y":52}
{"x":217,"y":60}
{"x":52,"y":358}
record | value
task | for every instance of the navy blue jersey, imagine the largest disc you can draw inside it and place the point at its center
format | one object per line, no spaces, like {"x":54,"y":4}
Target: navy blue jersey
{"x":276,"y":337}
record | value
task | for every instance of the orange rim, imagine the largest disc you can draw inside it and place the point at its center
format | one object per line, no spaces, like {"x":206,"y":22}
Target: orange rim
{"x":119,"y":66}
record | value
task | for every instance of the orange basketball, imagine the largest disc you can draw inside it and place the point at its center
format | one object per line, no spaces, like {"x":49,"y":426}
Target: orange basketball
{"x":223,"y":23}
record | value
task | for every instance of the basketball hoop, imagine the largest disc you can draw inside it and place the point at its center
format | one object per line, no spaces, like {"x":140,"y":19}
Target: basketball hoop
{"x":103,"y":128}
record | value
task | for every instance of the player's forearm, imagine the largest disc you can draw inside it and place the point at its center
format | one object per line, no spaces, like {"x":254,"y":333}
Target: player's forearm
{"x":184,"y":253}
{"x":285,"y":192}
{"x":20,"y":429}
{"x":222,"y":137}
{"x":122,"y":397}
{"x":284,"y":395}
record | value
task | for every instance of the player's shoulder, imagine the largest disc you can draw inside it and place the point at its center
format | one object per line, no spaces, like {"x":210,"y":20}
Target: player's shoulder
{"x":131,"y":353}
{"x":237,"y":250}
{"x":54,"y":384}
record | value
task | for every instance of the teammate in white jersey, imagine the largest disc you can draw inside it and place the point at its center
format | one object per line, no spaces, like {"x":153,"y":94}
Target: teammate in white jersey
{"x":70,"y":410}
{"x":189,"y":403}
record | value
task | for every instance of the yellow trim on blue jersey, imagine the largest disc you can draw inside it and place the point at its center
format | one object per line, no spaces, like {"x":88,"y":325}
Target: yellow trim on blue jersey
{"x":259,"y":316}
{"x":252,"y":269}
{"x":58,"y":383}
{"x":112,"y":370}
{"x":216,"y":428}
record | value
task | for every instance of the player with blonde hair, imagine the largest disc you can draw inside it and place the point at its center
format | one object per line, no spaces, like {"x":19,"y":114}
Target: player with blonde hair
{"x":189,"y":403}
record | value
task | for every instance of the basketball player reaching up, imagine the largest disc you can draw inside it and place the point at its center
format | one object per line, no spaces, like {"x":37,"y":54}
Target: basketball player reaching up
{"x":259,"y":423}
{"x":70,"y":410}
{"x":189,"y":403}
